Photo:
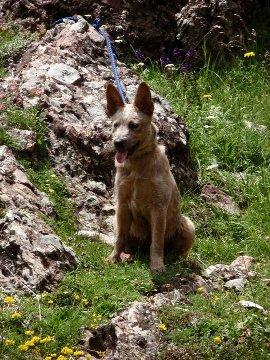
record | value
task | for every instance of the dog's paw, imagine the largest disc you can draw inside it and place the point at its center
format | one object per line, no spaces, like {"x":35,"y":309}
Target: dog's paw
{"x":157,"y":266}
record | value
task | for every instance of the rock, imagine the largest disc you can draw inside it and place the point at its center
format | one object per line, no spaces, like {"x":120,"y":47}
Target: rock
{"x":256,"y":127}
{"x":237,"y":269}
{"x":250,"y":305}
{"x":134,"y":332}
{"x":64,"y":73}
{"x":216,"y":197}
{"x":32,"y":257}
{"x":26,"y":138}
{"x":66,"y":68}
{"x":237,"y":284}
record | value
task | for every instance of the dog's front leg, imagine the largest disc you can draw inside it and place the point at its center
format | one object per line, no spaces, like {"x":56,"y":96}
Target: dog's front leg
{"x":123,"y":223}
{"x":158,"y":226}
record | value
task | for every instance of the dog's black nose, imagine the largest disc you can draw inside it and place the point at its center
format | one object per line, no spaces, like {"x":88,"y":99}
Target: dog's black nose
{"x":119,"y":144}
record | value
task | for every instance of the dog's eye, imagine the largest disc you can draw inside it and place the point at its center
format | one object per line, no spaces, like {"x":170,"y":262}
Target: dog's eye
{"x":133,"y":125}
{"x":115,"y":125}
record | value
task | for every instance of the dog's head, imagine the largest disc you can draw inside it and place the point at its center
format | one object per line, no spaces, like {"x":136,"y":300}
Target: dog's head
{"x":131,"y":123}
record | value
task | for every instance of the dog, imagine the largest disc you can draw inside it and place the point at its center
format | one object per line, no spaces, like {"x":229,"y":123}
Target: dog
{"x":147,"y":197}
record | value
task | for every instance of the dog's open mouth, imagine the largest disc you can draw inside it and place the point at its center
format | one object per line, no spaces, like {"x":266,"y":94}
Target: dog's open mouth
{"x":122,"y":155}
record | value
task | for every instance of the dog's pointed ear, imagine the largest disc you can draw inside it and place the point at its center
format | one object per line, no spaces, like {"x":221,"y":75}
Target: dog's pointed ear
{"x":143,"y":100}
{"x":114,"y":100}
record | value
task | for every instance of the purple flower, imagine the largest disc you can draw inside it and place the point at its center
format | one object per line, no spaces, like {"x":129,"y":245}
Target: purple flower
{"x":165,"y":60}
{"x":185,"y":68}
{"x":139,"y":54}
{"x":191,"y":54}
{"x":178,"y":53}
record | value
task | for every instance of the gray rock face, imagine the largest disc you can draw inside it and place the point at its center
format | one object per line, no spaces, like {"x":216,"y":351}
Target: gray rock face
{"x":32,"y":257}
{"x":65,"y":73}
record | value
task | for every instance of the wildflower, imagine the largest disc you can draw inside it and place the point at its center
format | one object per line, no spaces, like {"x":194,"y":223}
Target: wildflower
{"x":76,"y":297}
{"x":66,"y":351}
{"x":207,"y":97}
{"x":178,"y":53}
{"x":249,"y":54}
{"x":61,"y":357}
{"x":53,"y":355}
{"x":162,"y":327}
{"x":78,"y":353}
{"x":23,"y":347}
{"x":48,"y":358}
{"x":185,"y":68}
{"x":35,"y":339}
{"x":217,"y":340}
{"x":50,"y":302}
{"x":85,"y":302}
{"x":9,"y":300}
{"x":139,"y":54}
{"x":29,"y":332}
{"x":200,"y":290}
{"x":47,"y":339}
{"x":9,"y":342}
{"x":53,"y":175}
{"x":16,"y":316}
{"x":191,"y":53}
{"x":29,"y":343}
{"x":215,"y":298}
{"x":51,"y":190}
{"x":164,"y":60}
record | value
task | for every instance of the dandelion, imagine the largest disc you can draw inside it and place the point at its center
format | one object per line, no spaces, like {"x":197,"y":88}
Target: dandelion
{"x":16,"y":315}
{"x":200,"y":290}
{"x":78,"y":353}
{"x":249,"y":54}
{"x":23,"y":347}
{"x":162,"y":327}
{"x":207,"y":97}
{"x":66,"y":351}
{"x":9,"y":300}
{"x":9,"y":342}
{"x":217,"y":340}
{"x":47,"y":339}
{"x":29,"y":332}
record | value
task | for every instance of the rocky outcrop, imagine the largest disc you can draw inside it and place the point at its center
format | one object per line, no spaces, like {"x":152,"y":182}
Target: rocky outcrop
{"x":151,"y":28}
{"x":32,"y":257}
{"x":65,"y":74}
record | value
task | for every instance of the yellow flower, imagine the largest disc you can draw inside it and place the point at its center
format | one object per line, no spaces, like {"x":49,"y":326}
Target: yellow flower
{"x":88,"y":357}
{"x":85,"y":302}
{"x":29,"y":332}
{"x":9,"y":342}
{"x":207,"y":97}
{"x":217,"y":340}
{"x":50,"y":190}
{"x":9,"y":300}
{"x":66,"y":351}
{"x":23,"y":347}
{"x":16,"y":316}
{"x":162,"y":327}
{"x":48,"y":358}
{"x":50,"y":301}
{"x":61,"y":357}
{"x":46,"y":339}
{"x":200,"y":290}
{"x":78,"y":353}
{"x":249,"y":54}
{"x":35,"y":339}
{"x":53,"y":355}
{"x":76,"y":297}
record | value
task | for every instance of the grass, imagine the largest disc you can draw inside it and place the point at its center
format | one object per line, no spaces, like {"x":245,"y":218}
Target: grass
{"x":227,"y":154}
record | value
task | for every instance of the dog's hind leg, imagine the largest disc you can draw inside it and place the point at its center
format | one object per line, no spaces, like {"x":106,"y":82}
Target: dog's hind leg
{"x":185,"y":237}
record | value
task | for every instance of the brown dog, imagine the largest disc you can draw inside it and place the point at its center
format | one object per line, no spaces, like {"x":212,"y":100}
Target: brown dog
{"x":147,"y":198}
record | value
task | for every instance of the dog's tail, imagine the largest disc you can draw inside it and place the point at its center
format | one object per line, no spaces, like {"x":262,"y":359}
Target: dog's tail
{"x":187,"y":233}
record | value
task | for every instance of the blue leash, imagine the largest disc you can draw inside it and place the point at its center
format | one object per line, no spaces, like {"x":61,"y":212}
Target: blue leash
{"x":112,"y":55}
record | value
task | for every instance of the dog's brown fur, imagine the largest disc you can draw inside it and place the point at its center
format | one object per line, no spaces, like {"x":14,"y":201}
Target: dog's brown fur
{"x":147,"y":198}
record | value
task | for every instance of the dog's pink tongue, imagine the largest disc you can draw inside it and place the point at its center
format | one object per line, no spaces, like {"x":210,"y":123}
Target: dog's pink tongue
{"x":121,"y":156}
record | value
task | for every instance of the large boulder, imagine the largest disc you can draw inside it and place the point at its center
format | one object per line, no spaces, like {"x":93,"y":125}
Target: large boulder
{"x":32,"y":257}
{"x":65,"y":74}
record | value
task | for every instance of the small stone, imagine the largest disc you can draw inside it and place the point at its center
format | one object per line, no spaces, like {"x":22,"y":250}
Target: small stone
{"x":237,"y":284}
{"x":64,"y":73}
{"x":250,"y":305}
